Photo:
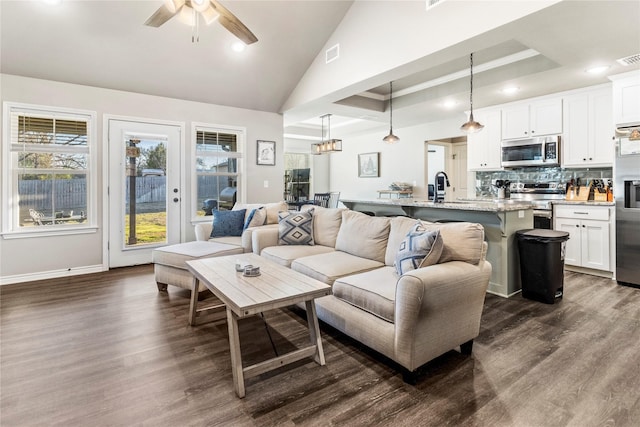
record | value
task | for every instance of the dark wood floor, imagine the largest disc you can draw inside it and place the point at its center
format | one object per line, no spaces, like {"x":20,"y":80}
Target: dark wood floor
{"x":108,"y":349}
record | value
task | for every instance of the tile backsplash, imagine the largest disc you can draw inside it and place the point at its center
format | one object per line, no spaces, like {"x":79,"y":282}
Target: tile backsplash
{"x":535,"y":174}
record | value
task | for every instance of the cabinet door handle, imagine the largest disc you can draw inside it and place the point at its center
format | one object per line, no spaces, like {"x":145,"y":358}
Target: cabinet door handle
{"x":578,"y":225}
{"x":581,"y":213}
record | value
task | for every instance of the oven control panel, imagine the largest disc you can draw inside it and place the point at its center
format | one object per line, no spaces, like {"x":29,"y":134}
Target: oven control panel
{"x":536,"y":187}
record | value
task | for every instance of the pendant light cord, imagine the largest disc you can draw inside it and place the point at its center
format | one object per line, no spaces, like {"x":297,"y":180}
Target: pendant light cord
{"x":390,"y":107}
{"x":471,"y":92}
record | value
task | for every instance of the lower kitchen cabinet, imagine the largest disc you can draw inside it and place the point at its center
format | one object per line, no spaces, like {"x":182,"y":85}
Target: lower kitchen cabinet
{"x":589,"y":229}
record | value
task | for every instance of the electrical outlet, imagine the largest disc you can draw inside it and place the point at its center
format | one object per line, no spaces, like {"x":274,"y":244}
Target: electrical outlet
{"x":266,"y":184}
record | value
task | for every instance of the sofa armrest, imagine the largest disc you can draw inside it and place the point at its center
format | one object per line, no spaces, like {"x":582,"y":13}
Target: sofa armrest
{"x":203,"y":231}
{"x":263,"y":237}
{"x":247,"y":236}
{"x":438,"y":308}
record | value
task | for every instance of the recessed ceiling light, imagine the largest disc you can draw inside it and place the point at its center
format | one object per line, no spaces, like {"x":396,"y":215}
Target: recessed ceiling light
{"x":238,"y":46}
{"x":54,"y":2}
{"x":597,"y":69}
{"x":449,"y":103}
{"x":510,"y":90}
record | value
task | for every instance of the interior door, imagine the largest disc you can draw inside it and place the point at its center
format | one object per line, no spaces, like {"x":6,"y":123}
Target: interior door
{"x":144,"y":189}
{"x":458,"y":176}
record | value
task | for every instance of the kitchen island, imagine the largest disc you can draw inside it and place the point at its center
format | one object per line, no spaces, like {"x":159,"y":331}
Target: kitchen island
{"x":500,"y":218}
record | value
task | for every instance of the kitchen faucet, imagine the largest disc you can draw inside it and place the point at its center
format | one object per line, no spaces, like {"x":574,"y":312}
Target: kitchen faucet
{"x":442,"y":181}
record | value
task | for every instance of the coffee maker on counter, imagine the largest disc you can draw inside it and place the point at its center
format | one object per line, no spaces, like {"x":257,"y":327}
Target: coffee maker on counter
{"x":442,"y":181}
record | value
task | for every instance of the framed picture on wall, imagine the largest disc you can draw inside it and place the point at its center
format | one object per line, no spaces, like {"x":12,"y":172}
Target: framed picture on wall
{"x":266,"y":153}
{"x":369,"y":165}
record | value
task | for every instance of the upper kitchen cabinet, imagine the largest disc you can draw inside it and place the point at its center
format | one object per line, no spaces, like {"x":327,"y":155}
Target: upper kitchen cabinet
{"x":588,"y":129}
{"x":626,"y":97}
{"x":528,"y":120}
{"x":483,"y":148}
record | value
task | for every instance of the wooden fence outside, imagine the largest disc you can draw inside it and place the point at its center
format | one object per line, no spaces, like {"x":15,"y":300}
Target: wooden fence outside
{"x":71,"y":194}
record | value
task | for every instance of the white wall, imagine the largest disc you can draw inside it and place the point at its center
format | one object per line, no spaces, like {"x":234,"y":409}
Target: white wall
{"x":403,"y":161}
{"x":40,"y":257}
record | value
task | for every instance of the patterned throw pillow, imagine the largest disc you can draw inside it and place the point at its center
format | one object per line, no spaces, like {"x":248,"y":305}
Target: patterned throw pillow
{"x":256,"y":218}
{"x":228,"y":223}
{"x":420,"y":248}
{"x":295,"y":228}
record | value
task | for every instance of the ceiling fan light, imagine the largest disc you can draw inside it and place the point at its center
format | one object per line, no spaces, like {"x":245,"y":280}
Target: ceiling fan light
{"x":200,"y":5}
{"x":210,"y":15}
{"x":187,"y":16}
{"x":174,"y":5}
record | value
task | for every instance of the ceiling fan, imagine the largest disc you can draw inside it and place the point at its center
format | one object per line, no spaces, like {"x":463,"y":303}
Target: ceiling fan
{"x":210,"y":10}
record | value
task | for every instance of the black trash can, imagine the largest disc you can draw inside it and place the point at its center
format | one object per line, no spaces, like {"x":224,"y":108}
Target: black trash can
{"x":542,"y":263}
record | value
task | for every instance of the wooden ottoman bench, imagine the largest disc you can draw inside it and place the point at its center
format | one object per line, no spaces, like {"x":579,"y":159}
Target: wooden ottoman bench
{"x":169,"y":261}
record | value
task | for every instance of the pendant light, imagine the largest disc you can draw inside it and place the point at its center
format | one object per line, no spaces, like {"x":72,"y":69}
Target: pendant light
{"x":391,"y":138}
{"x":328,"y":145}
{"x":471,"y":126}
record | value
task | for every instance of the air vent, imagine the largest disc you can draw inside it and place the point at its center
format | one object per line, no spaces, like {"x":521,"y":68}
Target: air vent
{"x":433,"y":3}
{"x":630,"y":60}
{"x":332,"y":53}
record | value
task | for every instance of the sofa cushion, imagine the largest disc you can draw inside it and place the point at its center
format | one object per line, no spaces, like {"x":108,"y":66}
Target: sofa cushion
{"x":256,"y":218}
{"x":373,"y":291}
{"x":228,"y":223}
{"x":286,"y":254}
{"x":329,"y":266}
{"x":362,"y":235}
{"x":295,"y":228}
{"x":463,"y":241}
{"x":420,"y":248}
{"x":326,"y":224}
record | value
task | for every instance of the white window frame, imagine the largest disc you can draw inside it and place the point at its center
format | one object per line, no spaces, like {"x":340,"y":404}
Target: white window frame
{"x":11,"y":228}
{"x":241,"y":133}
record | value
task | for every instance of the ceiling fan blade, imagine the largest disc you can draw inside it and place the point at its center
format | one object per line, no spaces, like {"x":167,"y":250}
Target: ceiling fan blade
{"x":233,"y":24}
{"x":160,"y":16}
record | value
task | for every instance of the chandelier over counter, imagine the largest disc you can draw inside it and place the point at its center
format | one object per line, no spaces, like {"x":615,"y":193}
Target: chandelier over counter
{"x":328,"y":145}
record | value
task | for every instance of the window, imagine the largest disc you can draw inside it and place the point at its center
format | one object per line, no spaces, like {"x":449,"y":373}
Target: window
{"x":48,"y":154}
{"x":218,"y":160}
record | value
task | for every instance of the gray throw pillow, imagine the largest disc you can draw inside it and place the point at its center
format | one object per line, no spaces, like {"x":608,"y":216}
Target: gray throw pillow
{"x":295,"y":228}
{"x":420,"y":248}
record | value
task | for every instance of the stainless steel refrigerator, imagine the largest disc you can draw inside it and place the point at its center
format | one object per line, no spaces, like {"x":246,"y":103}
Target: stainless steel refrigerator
{"x":626,"y":190}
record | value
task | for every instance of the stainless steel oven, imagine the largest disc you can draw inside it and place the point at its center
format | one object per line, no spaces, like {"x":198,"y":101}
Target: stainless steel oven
{"x":541,"y":196}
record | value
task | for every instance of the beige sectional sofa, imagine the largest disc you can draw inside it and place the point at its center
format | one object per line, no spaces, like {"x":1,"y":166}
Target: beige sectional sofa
{"x":411,"y":318}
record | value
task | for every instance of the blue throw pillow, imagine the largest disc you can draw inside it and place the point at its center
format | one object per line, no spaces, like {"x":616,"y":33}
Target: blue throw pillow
{"x":228,"y":223}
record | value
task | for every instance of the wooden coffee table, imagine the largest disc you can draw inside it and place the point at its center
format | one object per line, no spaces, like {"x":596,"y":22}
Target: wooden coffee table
{"x":276,"y":287}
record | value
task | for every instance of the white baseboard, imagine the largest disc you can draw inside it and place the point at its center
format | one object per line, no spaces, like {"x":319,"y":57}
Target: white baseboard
{"x":52,"y":274}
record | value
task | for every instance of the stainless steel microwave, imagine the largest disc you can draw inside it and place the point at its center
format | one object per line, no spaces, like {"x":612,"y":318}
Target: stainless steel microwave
{"x":540,"y":151}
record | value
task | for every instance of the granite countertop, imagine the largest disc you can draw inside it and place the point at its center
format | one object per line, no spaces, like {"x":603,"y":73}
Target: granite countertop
{"x":582,"y":203}
{"x":485,"y":205}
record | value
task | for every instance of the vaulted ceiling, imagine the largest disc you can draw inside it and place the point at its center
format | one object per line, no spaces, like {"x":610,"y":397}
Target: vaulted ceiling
{"x":105,"y":44}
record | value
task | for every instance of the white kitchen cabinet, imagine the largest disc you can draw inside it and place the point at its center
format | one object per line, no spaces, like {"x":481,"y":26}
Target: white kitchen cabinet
{"x":589,"y":229}
{"x":588,"y":129}
{"x":483,"y":148}
{"x":528,"y":120}
{"x":626,"y":97}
